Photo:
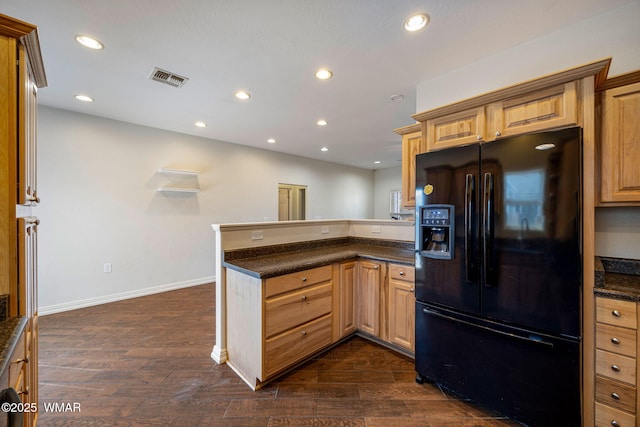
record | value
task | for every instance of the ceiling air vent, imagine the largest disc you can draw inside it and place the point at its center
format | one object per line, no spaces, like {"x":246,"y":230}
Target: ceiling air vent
{"x":167,"y":77}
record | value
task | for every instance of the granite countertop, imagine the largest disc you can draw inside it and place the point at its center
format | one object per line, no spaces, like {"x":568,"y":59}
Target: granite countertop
{"x":10,"y":331}
{"x":617,"y":278}
{"x":277,"y":260}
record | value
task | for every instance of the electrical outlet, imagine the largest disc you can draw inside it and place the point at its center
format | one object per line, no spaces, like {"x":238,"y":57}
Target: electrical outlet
{"x":107,"y":267}
{"x":257,"y":235}
{"x":375,"y":229}
{"x":325,"y":229}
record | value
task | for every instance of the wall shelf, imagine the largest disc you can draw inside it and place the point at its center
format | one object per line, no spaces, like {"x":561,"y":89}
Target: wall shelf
{"x":178,"y":190}
{"x":178,"y":172}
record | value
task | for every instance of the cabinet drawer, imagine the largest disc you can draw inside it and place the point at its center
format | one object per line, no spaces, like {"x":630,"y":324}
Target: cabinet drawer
{"x":402,"y":272}
{"x":297,"y":280}
{"x":616,"y":394}
{"x":290,"y":347}
{"x":295,"y":308}
{"x":16,"y":364}
{"x":616,"y":312}
{"x":616,"y":366}
{"x":616,"y":339}
{"x":607,"y":416}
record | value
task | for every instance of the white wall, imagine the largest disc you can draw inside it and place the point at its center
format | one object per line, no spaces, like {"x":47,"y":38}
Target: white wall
{"x":98,"y":181}
{"x":385,"y":181}
{"x":618,"y":232}
{"x":615,"y":34}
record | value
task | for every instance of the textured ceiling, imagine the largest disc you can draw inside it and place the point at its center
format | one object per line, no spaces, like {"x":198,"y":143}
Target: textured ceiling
{"x":272,"y":48}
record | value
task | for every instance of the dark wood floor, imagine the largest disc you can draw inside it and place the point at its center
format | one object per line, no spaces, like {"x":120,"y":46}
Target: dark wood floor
{"x":146,"y":362}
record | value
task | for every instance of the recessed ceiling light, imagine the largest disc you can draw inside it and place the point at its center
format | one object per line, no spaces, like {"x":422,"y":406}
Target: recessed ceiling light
{"x":241,"y":94}
{"x":322,"y":122}
{"x":396,"y":97}
{"x":416,"y":22}
{"x":324,"y":149}
{"x":271,"y":141}
{"x":200,"y":124}
{"x":84,"y":98}
{"x":377,"y":162}
{"x":89,"y":42}
{"x":324,"y":74}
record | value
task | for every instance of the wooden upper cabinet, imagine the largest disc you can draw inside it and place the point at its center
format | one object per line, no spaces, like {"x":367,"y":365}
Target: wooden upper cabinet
{"x":412,"y":145}
{"x":535,"y":111}
{"x":456,"y":129}
{"x":620,"y":146}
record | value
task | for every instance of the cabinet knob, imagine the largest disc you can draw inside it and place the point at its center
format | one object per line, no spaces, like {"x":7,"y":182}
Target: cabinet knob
{"x":615,"y":396}
{"x":402,"y":273}
{"x":615,"y":368}
{"x":412,"y":290}
{"x":614,"y":423}
{"x":304,"y":279}
{"x":304,"y":333}
{"x":498,"y":133}
{"x":479,"y":137}
{"x":376,"y":267}
{"x":616,"y":313}
{"x":615,"y":340}
{"x":304,"y":298}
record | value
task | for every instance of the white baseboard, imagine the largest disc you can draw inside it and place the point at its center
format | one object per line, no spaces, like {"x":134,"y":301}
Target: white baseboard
{"x":73,"y":305}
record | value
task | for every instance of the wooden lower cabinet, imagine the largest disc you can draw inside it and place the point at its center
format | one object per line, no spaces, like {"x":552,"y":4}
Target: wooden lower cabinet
{"x":616,"y":363}
{"x":371,"y":275}
{"x":346,"y":304}
{"x":276,"y":323}
{"x":402,"y":306}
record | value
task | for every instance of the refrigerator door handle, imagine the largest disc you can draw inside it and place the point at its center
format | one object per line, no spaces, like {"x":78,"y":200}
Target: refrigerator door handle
{"x":469,"y":209}
{"x":487,"y":224}
{"x":532,"y":339}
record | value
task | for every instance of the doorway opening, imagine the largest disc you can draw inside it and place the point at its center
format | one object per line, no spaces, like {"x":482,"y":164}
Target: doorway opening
{"x":292,"y":201}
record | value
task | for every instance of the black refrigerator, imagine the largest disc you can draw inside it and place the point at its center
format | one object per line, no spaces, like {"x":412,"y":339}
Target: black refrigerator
{"x":499,"y":274}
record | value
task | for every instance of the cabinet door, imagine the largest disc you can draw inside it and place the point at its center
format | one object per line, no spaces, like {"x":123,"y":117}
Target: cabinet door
{"x":620,"y":155}
{"x":27,"y":156}
{"x":535,"y":111}
{"x":370,"y":279}
{"x":402,"y":306}
{"x":27,"y":298}
{"x":411,"y":146}
{"x":348,"y":280}
{"x":456,"y":129}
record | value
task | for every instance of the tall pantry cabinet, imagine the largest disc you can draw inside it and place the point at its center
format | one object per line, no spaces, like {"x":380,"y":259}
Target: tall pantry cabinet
{"x":21,"y":74}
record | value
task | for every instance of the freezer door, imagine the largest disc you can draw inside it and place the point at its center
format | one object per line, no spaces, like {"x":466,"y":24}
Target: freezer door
{"x":530,"y":229}
{"x":529,"y":377}
{"x":449,"y":178}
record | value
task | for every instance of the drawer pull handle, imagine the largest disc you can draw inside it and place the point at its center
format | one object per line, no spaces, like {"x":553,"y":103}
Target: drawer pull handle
{"x":614,"y":423}
{"x":616,"y":313}
{"x":304,"y":333}
{"x":402,"y":273}
{"x":615,"y":368}
{"x":304,"y":279}
{"x":304,"y":298}
{"x":615,"y":396}
{"x":412,"y":290}
{"x":615,"y":340}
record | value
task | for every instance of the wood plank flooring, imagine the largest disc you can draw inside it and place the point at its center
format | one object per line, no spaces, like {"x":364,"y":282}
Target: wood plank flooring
{"x":146,"y":362}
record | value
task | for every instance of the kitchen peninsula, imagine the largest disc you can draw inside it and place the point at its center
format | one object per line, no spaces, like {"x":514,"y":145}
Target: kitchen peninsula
{"x":287,"y":290}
